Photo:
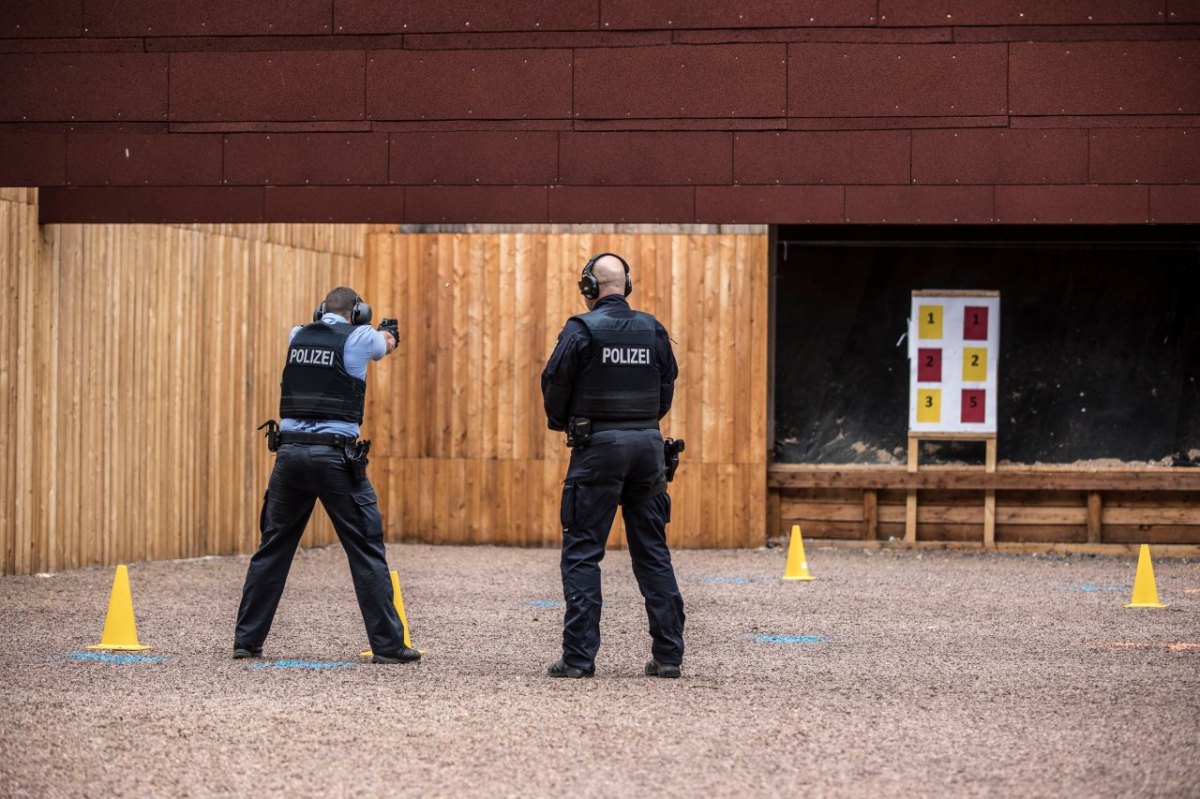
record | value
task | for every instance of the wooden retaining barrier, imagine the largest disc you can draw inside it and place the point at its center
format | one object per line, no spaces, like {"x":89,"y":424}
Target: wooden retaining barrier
{"x":1062,"y":507}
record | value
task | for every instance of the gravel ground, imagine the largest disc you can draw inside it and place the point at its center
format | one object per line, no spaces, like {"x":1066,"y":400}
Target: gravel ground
{"x":896,"y":672}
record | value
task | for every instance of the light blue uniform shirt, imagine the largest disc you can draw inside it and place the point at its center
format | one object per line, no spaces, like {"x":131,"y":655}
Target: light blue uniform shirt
{"x":364,"y":344}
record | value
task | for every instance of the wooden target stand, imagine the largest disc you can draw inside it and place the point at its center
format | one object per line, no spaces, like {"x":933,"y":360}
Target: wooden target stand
{"x":989,"y":495}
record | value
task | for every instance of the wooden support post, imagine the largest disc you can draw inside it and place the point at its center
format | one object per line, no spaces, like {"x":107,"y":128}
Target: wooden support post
{"x":989,"y":498}
{"x":910,"y":501}
{"x":1094,"y":507}
{"x":774,"y":513}
{"x":870,"y":515}
{"x":989,"y":494}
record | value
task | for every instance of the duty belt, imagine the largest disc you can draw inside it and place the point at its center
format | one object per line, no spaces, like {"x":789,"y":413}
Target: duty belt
{"x":324,"y":439}
{"x":599,"y":425}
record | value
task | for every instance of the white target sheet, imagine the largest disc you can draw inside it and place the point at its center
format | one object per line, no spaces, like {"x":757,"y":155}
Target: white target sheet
{"x":954,"y":353}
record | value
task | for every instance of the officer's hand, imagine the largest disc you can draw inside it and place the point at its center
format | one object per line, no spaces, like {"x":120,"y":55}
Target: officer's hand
{"x":390,"y":340}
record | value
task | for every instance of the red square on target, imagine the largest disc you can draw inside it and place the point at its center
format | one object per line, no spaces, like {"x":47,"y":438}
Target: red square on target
{"x":929,"y":365}
{"x":973,"y":404}
{"x":975,"y":323}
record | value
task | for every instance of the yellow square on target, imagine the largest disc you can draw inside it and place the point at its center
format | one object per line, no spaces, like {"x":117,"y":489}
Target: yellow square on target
{"x":929,"y":321}
{"x":929,"y":405}
{"x":974,"y":364}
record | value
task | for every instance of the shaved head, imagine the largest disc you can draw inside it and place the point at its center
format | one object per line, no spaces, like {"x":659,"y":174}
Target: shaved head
{"x":610,"y":274}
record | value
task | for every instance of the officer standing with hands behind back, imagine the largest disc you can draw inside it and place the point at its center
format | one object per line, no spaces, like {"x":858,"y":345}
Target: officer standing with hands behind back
{"x":609,"y":381}
{"x":318,"y":456}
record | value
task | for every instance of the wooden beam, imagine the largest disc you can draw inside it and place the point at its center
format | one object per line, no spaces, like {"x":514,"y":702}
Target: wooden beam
{"x":822,"y":511}
{"x":910,"y":501}
{"x":774,"y":523}
{"x":989,"y":498}
{"x":953,"y":293}
{"x":1095,"y":507}
{"x":870,"y":515}
{"x":1151,"y":515}
{"x":968,"y":478}
{"x":1160,"y":550}
{"x":967,"y":514}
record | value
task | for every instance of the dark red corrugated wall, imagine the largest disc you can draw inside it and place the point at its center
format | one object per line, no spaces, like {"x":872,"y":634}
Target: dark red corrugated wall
{"x":425,"y":111}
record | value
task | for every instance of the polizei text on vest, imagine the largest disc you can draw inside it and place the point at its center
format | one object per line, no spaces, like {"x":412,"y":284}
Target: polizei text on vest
{"x":311,"y":357}
{"x":625,"y":356}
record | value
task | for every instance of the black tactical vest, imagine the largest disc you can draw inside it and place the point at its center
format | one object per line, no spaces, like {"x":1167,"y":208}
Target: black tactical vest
{"x":620,"y":378}
{"x":315,"y":382}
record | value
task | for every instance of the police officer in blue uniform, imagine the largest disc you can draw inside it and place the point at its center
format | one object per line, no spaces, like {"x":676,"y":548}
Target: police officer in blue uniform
{"x":317,"y":456}
{"x":608,"y":382}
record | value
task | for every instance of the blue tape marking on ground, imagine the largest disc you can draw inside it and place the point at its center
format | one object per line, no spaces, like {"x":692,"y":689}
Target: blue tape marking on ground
{"x":120,"y":660}
{"x":1090,"y":587}
{"x":790,"y":639}
{"x":547,"y":603}
{"x":302,"y":664}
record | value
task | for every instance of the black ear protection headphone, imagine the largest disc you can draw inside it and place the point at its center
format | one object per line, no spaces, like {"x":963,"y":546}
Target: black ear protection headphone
{"x":360,"y":314}
{"x":589,"y":286}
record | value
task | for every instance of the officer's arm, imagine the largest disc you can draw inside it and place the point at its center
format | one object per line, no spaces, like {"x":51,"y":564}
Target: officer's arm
{"x":668,"y":370}
{"x":366,"y":344}
{"x":559,"y":375}
{"x":378,"y":342}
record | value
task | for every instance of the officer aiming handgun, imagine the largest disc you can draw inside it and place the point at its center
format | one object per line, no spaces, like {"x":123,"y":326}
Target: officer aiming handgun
{"x":318,"y":456}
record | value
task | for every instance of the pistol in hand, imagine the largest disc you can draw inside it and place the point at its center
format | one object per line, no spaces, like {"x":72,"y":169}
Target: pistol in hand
{"x":391,"y":326}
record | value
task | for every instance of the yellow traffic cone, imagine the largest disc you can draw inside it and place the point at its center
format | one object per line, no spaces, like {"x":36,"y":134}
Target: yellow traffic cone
{"x":398,"y":601}
{"x":1145,"y":592}
{"x":120,"y":629}
{"x":797,"y":565}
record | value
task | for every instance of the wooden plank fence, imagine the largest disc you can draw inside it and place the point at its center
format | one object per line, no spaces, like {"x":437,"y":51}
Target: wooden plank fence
{"x":457,"y":411}
{"x":134,"y":365}
{"x":137,"y":360}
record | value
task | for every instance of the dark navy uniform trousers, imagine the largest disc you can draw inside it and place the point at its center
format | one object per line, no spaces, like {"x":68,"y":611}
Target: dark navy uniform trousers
{"x":623,"y":466}
{"x":303,"y":474}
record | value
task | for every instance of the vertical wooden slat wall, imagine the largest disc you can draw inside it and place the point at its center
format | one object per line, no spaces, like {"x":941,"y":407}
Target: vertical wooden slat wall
{"x":457,"y":415}
{"x":135,"y":363}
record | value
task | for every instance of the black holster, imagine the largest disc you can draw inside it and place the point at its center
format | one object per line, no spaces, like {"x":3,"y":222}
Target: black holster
{"x":356,"y":459}
{"x":579,"y":431}
{"x":671,"y":449}
{"x":272,"y":434}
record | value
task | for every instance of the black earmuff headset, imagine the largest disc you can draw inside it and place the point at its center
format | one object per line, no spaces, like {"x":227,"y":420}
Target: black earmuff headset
{"x":360,"y":314}
{"x":589,"y":286}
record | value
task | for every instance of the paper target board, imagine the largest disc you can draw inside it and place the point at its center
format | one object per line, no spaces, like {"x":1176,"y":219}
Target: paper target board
{"x":953,"y":354}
